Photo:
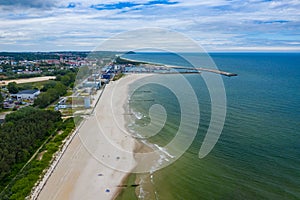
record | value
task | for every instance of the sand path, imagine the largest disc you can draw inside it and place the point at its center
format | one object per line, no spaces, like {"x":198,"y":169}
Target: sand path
{"x":28,"y":80}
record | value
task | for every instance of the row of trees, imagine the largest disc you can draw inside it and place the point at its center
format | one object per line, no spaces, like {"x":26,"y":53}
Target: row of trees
{"x":21,"y":134}
{"x":17,"y":56}
{"x":51,"y":95}
{"x":12,"y":75}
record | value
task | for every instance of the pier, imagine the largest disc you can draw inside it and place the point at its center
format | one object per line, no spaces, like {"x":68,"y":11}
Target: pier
{"x":205,"y":70}
{"x":199,"y":69}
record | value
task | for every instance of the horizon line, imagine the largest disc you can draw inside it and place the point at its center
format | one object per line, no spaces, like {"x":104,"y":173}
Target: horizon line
{"x":86,"y":51}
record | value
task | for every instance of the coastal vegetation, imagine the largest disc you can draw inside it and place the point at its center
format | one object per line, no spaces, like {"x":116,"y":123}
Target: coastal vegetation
{"x":20,"y":136}
{"x":30,"y":136}
{"x":121,"y":60}
{"x":24,"y":132}
{"x":118,"y":76}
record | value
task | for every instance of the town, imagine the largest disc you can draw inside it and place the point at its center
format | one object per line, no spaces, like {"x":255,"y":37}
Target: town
{"x":47,"y":80}
{"x":54,"y":75}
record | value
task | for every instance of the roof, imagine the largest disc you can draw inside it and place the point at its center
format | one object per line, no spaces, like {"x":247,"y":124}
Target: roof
{"x":27,"y":91}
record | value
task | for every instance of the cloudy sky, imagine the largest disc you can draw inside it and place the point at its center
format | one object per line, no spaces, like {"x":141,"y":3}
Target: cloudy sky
{"x":216,"y":25}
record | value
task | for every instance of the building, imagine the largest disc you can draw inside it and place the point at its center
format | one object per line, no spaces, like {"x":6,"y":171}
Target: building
{"x":92,"y":84}
{"x":27,"y":94}
{"x":87,"y":102}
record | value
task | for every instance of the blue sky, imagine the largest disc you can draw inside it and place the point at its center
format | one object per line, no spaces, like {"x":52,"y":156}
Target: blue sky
{"x":216,"y":25}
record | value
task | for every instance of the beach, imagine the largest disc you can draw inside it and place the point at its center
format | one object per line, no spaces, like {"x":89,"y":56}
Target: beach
{"x":100,"y":155}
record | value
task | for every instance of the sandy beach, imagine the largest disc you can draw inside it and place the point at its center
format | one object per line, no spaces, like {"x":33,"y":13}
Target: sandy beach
{"x":101,"y":155}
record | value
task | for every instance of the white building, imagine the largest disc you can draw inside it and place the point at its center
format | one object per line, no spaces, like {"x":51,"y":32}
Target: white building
{"x":27,"y":94}
{"x":92,"y":84}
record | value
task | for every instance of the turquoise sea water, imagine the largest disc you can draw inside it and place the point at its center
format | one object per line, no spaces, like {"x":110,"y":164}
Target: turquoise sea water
{"x":258,"y":153}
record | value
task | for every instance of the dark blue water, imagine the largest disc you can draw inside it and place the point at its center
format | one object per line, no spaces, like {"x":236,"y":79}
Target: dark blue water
{"x":258,"y":153}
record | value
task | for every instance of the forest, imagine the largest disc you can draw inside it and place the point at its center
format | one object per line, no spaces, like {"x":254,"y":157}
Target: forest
{"x":30,"y":130}
{"x":20,"y":136}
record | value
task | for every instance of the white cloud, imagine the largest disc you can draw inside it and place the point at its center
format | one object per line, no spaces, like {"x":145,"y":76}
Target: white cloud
{"x":216,"y":24}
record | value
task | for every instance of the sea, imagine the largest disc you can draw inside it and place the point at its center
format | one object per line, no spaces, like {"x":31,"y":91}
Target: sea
{"x":257,"y":155}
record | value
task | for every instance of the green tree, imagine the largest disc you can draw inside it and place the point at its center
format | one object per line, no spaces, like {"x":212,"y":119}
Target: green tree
{"x":43,"y":100}
{"x":48,"y":85}
{"x":13,"y":87}
{"x":60,"y":88}
{"x":58,"y":78}
{"x":1,"y":100}
{"x":21,"y":134}
{"x":66,"y":80}
{"x":52,"y":94}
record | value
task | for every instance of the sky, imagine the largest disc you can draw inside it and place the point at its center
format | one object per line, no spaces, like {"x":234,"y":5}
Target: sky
{"x":215,"y":25}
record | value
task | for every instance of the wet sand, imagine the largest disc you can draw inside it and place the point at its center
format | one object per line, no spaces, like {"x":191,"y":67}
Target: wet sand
{"x":100,"y":156}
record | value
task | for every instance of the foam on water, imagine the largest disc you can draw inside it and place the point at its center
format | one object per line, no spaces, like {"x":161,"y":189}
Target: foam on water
{"x":257,"y":155}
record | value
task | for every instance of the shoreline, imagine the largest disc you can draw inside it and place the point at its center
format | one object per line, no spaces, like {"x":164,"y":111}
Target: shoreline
{"x":90,"y":167}
{"x":142,"y":180}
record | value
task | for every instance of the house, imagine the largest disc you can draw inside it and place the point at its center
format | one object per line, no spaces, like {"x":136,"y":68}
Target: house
{"x":27,"y":94}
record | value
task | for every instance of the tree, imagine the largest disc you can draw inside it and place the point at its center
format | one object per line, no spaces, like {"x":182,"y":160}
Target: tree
{"x":20,"y":135}
{"x":43,"y":100}
{"x":1,"y":100}
{"x":52,"y":94}
{"x":60,"y":88}
{"x":48,"y":85}
{"x":66,"y":80}
{"x":13,"y":87}
{"x":58,"y":78}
